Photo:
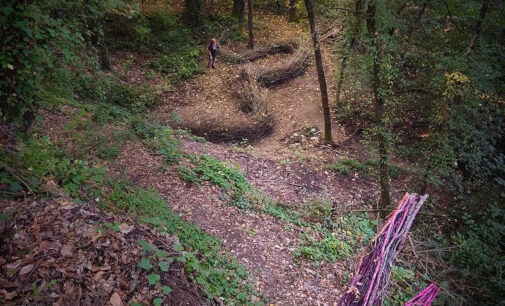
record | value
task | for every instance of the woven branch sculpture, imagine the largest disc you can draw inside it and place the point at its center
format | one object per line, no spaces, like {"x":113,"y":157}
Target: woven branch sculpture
{"x":369,"y":285}
{"x":425,"y":297}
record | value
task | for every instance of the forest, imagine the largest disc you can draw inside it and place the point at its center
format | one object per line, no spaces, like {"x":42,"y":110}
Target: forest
{"x":252,"y":152}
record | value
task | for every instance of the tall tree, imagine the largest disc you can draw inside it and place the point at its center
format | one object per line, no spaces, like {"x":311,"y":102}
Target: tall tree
{"x":343,"y":66}
{"x":238,"y":11}
{"x":293,"y":11}
{"x":379,"y":102}
{"x":478,"y":26}
{"x":250,"y":45}
{"x":193,"y":12}
{"x":320,"y":70}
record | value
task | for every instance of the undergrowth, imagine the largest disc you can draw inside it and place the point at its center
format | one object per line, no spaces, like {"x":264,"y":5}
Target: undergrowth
{"x":367,"y":168}
{"x":42,"y":169}
{"x":172,"y":46}
{"x":207,"y":168}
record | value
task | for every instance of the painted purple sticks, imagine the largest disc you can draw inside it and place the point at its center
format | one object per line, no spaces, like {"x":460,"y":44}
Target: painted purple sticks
{"x":369,"y":285}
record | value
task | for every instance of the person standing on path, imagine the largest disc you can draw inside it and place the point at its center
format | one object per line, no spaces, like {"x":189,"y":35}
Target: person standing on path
{"x":212,"y":53}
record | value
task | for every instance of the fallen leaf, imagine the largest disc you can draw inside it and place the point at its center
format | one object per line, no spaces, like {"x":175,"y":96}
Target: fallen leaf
{"x":96,"y":235}
{"x":125,"y":228}
{"x":98,"y":275}
{"x":115,"y":300}
{"x":66,"y":250}
{"x":8,"y":295}
{"x":26,"y":269}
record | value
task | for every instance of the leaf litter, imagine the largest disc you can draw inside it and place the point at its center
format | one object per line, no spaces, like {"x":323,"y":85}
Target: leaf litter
{"x":53,"y":254}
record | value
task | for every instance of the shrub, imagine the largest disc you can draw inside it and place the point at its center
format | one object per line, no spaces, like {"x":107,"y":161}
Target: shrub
{"x":329,"y":248}
{"x":171,"y":43}
{"x":42,"y":167}
{"x":165,"y":143}
{"x":207,"y":168}
{"x":112,"y":97}
{"x":367,"y":168}
{"x":479,"y":254}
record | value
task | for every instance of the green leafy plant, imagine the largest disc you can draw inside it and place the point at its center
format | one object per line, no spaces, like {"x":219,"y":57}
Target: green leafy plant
{"x":153,"y":278}
{"x":330,"y":248}
{"x":367,"y":168}
{"x":145,"y":264}
{"x":207,"y":168}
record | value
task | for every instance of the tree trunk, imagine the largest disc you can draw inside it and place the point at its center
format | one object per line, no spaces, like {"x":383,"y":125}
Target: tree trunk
{"x":250,"y":45}
{"x":193,"y":12}
{"x":239,"y":12}
{"x":417,"y":20}
{"x":320,"y":70}
{"x":293,"y":11}
{"x":278,"y":7}
{"x":103,"y":52}
{"x":343,"y":66}
{"x":379,"y":105}
{"x":478,"y":26}
{"x":235,"y":12}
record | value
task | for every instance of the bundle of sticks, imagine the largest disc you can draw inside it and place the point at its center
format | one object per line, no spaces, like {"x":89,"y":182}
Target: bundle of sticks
{"x":372,"y":275}
{"x":425,"y":297}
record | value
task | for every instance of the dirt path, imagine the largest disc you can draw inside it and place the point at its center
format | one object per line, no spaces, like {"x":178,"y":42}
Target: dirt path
{"x":260,"y":242}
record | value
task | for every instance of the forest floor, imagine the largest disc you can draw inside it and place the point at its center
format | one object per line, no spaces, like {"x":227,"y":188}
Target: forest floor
{"x":292,"y":173}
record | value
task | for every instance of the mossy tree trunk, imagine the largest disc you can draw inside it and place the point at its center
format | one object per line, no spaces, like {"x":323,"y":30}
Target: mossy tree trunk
{"x":320,"y":70}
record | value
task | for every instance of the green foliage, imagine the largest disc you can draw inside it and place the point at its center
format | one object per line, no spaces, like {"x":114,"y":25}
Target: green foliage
{"x":50,"y":33}
{"x":166,"y":289}
{"x":163,"y":266}
{"x":478,"y":253}
{"x":329,"y":248}
{"x":145,"y":264}
{"x":317,"y":211}
{"x":172,"y":45}
{"x":332,"y":238}
{"x":207,"y":168}
{"x":39,"y":165}
{"x":179,"y":67}
{"x":114,"y":100}
{"x":153,"y":278}
{"x":165,"y":142}
{"x":404,"y":286}
{"x":367,"y":168}
{"x":205,"y":253}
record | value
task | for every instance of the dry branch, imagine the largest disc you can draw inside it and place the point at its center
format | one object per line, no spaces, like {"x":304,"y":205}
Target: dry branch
{"x":252,"y":98}
{"x":259,"y":127}
{"x":295,"y":68}
{"x":369,"y":285}
{"x":425,"y":297}
{"x":288,"y":47}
